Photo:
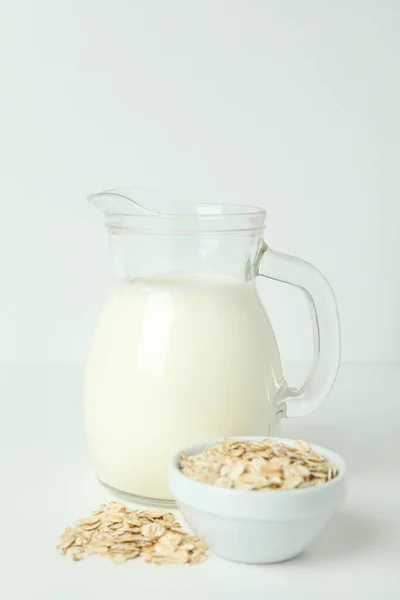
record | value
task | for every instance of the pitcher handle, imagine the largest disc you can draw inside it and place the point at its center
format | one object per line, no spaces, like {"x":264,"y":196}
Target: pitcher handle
{"x":325,"y":324}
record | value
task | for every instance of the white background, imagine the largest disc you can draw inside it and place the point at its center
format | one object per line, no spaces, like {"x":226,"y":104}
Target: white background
{"x":290,"y":105}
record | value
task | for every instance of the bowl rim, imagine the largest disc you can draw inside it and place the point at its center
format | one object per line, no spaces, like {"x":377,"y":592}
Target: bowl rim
{"x":333,"y":457}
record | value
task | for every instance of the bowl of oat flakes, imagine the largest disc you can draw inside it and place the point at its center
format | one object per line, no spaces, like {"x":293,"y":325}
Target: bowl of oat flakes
{"x":257,"y":500}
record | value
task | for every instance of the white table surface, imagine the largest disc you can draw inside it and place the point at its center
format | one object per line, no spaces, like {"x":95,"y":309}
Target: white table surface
{"x":47,"y":484}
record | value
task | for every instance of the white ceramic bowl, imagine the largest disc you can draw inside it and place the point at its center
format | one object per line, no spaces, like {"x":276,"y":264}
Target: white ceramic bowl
{"x":256,"y":526}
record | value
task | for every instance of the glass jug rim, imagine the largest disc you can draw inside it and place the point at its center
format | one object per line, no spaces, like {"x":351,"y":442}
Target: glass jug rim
{"x":124,"y":212}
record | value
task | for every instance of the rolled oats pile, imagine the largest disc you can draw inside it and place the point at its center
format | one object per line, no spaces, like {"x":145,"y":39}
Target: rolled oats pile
{"x":120,"y":534}
{"x":261,"y":465}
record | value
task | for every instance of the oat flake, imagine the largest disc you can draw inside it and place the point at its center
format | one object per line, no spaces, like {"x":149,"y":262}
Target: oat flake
{"x":261,"y":465}
{"x":120,"y":535}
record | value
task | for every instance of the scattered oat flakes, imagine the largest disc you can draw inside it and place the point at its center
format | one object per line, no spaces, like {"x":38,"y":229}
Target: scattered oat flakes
{"x":261,"y":465}
{"x":121,"y":535}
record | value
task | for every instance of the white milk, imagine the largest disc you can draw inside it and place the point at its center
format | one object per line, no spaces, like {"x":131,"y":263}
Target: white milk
{"x":175,"y":361}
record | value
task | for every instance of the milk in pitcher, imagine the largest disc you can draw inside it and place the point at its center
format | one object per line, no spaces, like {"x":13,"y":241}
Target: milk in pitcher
{"x":176,"y":360}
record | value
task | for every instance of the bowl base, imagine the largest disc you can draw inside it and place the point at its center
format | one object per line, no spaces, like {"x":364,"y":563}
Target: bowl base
{"x":260,"y":561}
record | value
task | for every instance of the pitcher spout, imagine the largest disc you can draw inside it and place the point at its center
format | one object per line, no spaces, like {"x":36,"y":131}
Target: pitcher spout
{"x":125,"y":201}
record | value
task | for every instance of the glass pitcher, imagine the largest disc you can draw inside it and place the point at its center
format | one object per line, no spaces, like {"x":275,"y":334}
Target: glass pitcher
{"x":184,"y":350}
